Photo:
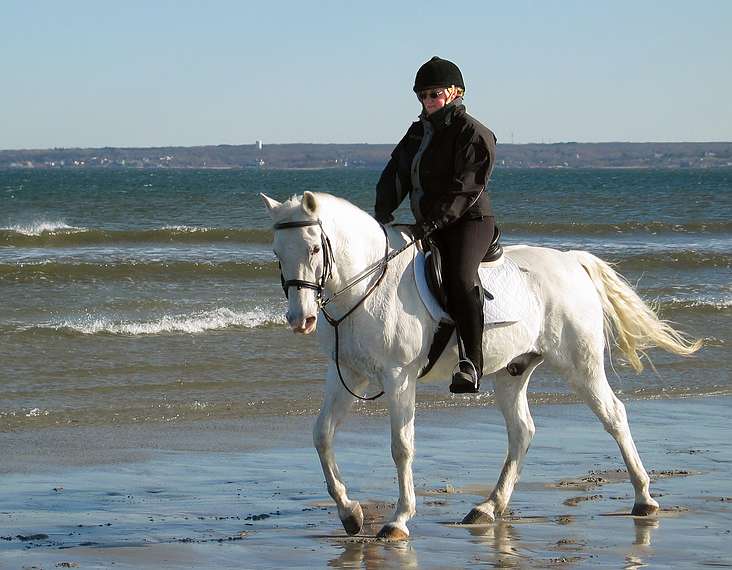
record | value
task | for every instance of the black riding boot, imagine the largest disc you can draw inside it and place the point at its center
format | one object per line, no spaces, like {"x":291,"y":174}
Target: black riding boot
{"x":469,"y":321}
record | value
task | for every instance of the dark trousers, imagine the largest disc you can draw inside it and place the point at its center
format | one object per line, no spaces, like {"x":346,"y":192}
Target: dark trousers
{"x":462,"y":246}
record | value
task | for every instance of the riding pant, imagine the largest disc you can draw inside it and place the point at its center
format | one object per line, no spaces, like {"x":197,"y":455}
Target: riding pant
{"x":462,"y":246}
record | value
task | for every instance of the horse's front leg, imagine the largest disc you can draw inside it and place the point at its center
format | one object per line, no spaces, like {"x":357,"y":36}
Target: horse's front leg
{"x":336,"y":406}
{"x":401,"y":392}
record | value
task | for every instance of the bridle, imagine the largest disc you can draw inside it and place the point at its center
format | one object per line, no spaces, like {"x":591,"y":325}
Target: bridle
{"x":327,"y":252}
{"x":319,"y":286}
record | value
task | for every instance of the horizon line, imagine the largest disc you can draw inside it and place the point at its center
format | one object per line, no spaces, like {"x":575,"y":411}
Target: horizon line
{"x":344,"y":144}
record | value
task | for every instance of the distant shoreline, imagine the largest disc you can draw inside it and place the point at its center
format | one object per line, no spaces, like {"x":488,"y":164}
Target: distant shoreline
{"x":374,"y":156}
{"x":374,"y":168}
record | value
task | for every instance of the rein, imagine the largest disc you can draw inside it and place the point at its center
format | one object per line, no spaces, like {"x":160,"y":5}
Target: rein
{"x":319,"y":287}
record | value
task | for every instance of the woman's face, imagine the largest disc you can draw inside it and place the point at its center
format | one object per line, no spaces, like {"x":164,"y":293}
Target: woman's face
{"x":436,"y":98}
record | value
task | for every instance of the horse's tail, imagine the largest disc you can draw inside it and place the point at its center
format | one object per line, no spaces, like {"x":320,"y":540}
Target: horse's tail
{"x":630,"y":322}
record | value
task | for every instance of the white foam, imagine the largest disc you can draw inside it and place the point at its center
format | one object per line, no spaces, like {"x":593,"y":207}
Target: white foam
{"x":220,"y":318}
{"x":717,"y":304}
{"x":704,"y":302}
{"x":187,"y":229}
{"x":40,"y":227}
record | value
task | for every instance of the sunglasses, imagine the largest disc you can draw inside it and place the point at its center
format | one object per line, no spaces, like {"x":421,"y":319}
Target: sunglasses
{"x":434,"y":94}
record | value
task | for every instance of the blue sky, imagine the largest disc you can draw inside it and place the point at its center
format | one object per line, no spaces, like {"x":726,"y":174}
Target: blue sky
{"x":158,"y":73}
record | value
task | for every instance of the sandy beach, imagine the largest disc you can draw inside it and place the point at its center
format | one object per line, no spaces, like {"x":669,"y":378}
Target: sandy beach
{"x":214,"y":495}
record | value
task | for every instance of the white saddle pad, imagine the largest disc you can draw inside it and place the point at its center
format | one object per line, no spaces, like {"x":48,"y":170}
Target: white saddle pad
{"x":512,"y":300}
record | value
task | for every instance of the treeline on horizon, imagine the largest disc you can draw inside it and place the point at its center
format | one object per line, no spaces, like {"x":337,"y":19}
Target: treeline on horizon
{"x":298,"y":155}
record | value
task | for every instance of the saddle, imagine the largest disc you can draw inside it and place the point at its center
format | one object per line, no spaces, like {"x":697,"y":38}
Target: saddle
{"x":434,"y":272}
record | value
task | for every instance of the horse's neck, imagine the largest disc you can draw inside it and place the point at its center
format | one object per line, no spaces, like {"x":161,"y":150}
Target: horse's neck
{"x":358,"y":242}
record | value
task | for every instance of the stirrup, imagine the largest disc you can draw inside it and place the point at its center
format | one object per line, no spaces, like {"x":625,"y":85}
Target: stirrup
{"x":464,"y":382}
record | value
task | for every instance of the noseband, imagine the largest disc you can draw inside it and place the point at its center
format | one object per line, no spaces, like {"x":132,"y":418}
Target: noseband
{"x":327,"y":252}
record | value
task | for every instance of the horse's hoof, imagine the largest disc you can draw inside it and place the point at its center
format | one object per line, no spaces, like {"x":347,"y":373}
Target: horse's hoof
{"x":476,"y":516}
{"x":353,"y":523}
{"x":644,"y":510}
{"x":391,"y":532}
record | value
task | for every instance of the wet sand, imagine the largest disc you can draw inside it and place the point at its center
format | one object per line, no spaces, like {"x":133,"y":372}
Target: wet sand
{"x":250,"y":494}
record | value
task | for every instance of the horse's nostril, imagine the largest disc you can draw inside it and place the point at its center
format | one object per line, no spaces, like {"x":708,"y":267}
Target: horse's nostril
{"x":309,"y":321}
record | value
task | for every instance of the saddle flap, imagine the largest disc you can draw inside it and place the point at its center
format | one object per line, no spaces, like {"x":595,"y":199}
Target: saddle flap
{"x":433,"y":262}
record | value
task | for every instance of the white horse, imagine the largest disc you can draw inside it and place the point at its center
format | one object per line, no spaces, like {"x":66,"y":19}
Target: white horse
{"x":384,"y":342}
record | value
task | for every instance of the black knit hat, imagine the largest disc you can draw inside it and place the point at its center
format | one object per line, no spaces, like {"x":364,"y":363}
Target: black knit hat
{"x":438,"y":73}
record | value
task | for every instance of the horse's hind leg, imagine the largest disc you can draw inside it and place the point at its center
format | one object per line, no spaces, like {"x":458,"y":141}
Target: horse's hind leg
{"x":592,"y":386}
{"x":336,"y":406}
{"x":512,"y":401}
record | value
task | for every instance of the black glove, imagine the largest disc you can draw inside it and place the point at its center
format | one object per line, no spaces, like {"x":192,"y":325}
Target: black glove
{"x":429,"y":227}
{"x":421,"y":231}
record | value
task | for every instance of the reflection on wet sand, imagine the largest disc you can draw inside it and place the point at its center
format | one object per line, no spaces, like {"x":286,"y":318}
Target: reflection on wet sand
{"x":638,"y":555}
{"x":500,"y":537}
{"x":229,"y":493}
{"x":644,"y":530}
{"x":502,"y":546}
{"x":371,"y":553}
{"x":508,"y":548}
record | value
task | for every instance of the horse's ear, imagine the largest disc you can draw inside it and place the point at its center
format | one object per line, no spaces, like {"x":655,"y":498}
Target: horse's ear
{"x":309,"y":203}
{"x":270,"y":202}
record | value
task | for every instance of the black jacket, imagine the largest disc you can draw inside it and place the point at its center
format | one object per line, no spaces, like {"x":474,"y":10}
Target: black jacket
{"x":443,"y":163}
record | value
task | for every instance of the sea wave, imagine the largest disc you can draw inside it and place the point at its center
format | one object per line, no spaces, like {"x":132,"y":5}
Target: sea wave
{"x":72,"y":270}
{"x":58,"y":234}
{"x":587,"y":228}
{"x":670,"y":258}
{"x":163,"y":270}
{"x":696,"y":305}
{"x":216,"y":319}
{"x":38,"y":229}
{"x":47,"y":234}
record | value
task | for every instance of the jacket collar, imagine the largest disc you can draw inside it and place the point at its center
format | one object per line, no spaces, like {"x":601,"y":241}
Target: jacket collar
{"x":443,"y":117}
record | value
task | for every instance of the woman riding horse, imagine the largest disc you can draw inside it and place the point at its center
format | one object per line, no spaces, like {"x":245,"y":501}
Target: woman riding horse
{"x":443,"y":162}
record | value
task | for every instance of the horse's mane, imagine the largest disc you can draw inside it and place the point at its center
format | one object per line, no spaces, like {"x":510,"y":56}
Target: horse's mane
{"x":330,"y":207}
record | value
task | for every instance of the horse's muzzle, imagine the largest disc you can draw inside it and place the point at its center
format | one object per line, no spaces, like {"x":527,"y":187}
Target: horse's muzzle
{"x":305,"y":326}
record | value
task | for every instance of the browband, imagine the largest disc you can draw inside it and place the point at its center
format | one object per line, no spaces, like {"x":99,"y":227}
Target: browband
{"x":300,"y":224}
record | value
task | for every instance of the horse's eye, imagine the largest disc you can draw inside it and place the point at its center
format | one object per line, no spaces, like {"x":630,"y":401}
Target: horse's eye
{"x":316,"y":249}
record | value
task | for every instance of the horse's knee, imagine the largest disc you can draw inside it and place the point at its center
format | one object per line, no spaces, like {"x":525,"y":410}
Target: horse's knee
{"x":401,"y":454}
{"x":322,"y":437}
{"x":401,"y":451}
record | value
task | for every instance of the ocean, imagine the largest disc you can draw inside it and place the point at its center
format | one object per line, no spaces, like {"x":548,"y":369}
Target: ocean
{"x":137,"y":296}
